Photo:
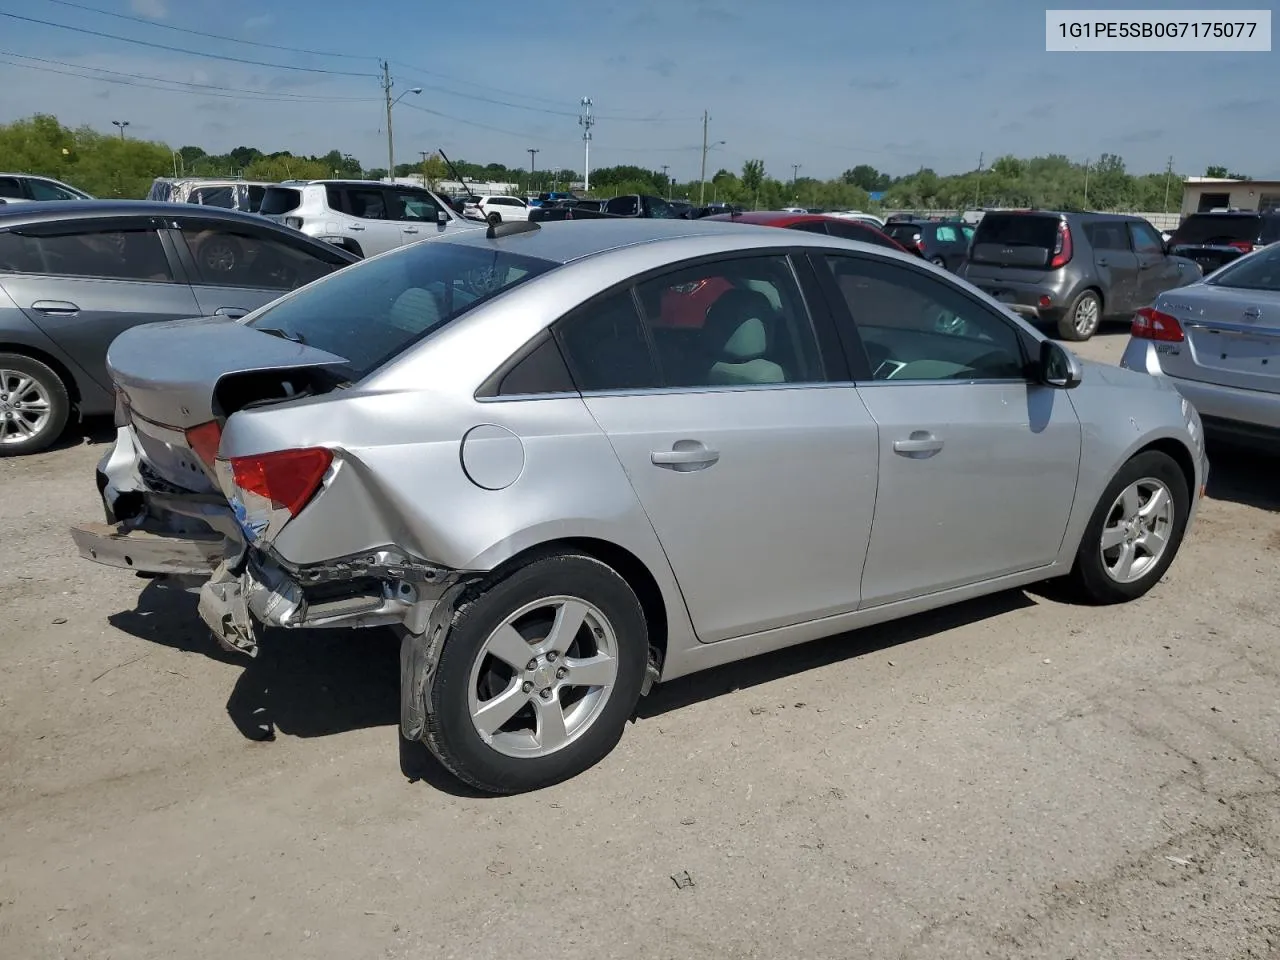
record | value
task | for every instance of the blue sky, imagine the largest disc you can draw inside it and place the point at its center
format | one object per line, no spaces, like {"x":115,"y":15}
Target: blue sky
{"x":821,"y":83}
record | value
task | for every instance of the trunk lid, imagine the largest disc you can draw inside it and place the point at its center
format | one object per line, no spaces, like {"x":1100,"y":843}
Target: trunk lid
{"x":169,"y":372}
{"x":1232,"y":336}
{"x":1017,"y":245}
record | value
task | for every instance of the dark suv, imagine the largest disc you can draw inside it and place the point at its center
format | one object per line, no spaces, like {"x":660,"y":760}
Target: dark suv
{"x":1215,"y":239}
{"x":944,"y":244}
{"x":1072,"y":269}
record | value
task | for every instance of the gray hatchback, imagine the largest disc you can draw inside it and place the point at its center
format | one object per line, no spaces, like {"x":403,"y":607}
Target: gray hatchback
{"x":1073,"y":270}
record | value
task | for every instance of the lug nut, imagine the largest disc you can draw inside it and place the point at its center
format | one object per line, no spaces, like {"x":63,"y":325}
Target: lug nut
{"x":531,"y":665}
{"x":545,"y":693}
{"x":551,"y":657}
{"x":561,"y":673}
{"x":526,"y":686}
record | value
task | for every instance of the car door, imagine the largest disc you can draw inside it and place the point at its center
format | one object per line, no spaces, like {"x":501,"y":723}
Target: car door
{"x":236,"y":268}
{"x":97,"y":278}
{"x":369,"y":219}
{"x":753,"y":458}
{"x":1116,"y":265}
{"x":1157,"y":271}
{"x":417,"y":213}
{"x":977,"y":465}
{"x":951,"y":245}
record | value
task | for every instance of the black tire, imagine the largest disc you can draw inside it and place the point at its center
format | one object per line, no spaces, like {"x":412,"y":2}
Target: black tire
{"x":494,"y":218}
{"x":938,"y":262}
{"x":54,"y":390}
{"x":1068,"y":329}
{"x":450,"y":733}
{"x":1089,"y":581}
{"x":220,"y":256}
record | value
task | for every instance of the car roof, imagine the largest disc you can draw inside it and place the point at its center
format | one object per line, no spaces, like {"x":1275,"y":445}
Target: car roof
{"x":769,"y":218}
{"x":21,"y":213}
{"x":570,"y":240}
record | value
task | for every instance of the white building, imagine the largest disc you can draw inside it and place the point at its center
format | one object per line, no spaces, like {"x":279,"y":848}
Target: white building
{"x":1202,"y":194}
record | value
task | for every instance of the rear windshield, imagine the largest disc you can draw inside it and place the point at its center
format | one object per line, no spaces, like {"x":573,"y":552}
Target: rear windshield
{"x":1258,"y":272}
{"x":372,"y":311}
{"x":278,"y":200}
{"x":902,"y":231}
{"x":1018,"y":230}
{"x":1217,"y":229}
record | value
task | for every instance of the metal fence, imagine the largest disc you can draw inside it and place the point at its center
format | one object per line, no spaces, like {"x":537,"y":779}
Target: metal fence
{"x":1161,"y":221}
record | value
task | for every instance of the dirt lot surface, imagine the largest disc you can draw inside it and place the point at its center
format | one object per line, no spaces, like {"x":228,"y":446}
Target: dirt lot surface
{"x":1009,"y":778}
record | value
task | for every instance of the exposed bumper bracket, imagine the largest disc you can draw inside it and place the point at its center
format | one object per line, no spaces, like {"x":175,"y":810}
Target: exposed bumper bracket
{"x":148,"y":551}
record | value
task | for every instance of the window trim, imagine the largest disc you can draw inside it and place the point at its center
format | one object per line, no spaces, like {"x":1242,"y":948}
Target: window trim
{"x":858,"y":360}
{"x":490,"y":390}
{"x":830,"y":365}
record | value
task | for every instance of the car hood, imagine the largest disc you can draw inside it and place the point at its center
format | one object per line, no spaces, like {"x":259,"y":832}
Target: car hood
{"x":169,"y":371}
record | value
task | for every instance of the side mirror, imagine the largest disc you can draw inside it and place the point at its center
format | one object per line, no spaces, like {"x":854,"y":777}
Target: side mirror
{"x":1059,"y":367}
{"x":442,"y":217}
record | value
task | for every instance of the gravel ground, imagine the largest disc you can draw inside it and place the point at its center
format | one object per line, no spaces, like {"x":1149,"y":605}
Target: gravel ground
{"x":1009,"y":778}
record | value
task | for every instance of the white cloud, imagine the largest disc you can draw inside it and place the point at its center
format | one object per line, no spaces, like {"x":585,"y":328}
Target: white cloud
{"x":155,"y":9}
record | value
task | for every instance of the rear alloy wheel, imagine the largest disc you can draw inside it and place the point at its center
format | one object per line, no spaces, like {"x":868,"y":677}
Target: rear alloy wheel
{"x":494,"y":218}
{"x":1083,"y":317}
{"x":538,"y":675}
{"x":1135,"y":530}
{"x":220,"y":257}
{"x":34,"y":405}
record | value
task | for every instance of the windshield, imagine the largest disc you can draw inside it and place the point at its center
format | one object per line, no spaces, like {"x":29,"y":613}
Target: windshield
{"x":1217,"y":229}
{"x":372,"y":311}
{"x":1261,"y":272}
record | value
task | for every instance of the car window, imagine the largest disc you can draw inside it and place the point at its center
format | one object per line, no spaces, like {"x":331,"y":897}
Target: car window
{"x":411,"y":205}
{"x":224,"y":197}
{"x":374,"y":310}
{"x":112,"y":254}
{"x":946,"y":234}
{"x":243,"y":258}
{"x":1107,"y":235}
{"x":1258,"y":272}
{"x":740,"y":322}
{"x":916,"y":327}
{"x":278,"y":200}
{"x":626,"y":206}
{"x":1145,"y":238}
{"x":367,"y":204}
{"x":809,"y":226}
{"x":44,"y":190}
{"x":856,"y":230}
{"x":11,"y":189}
{"x":256,"y":195}
{"x":968,"y":233}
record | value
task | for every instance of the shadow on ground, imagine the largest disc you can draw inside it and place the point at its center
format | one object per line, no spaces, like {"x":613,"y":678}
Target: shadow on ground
{"x":1244,"y":475}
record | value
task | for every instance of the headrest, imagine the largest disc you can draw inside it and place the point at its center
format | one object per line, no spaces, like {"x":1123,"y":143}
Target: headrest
{"x":738,"y":322}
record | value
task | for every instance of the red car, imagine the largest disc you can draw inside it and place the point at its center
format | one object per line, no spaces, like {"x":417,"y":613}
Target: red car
{"x":686,"y":306}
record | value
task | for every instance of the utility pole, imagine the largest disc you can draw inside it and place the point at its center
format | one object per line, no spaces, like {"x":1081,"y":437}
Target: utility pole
{"x":1086,"y":182}
{"x":977,"y":189}
{"x":702,"y":187}
{"x":533,"y":151}
{"x":121,"y":124}
{"x":386,"y":92}
{"x":586,"y":120}
{"x":425,"y":154}
{"x":1168,"y":175}
{"x":795,"y":180}
{"x":665,"y":167}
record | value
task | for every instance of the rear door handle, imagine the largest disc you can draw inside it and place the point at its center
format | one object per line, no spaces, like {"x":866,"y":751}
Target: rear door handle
{"x":687,"y":454}
{"x":920,"y":444}
{"x":410,"y":229}
{"x":235,"y":313}
{"x":354,"y":226}
{"x":55,"y":308}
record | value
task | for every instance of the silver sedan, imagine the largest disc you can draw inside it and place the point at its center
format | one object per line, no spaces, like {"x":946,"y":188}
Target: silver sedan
{"x":1218,"y":341}
{"x":569,"y":461}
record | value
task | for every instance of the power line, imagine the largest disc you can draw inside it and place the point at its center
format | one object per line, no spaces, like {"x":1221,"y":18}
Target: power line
{"x":227,"y":93}
{"x":194,"y":53}
{"x":211,"y":36}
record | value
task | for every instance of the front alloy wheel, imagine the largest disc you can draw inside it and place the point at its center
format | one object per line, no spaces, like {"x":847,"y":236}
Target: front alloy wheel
{"x":1137,"y":530}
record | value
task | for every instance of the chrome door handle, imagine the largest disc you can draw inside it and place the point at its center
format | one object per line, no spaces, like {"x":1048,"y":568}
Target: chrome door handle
{"x":919,"y":443}
{"x":235,"y":313}
{"x":354,"y":226}
{"x":685,"y":456}
{"x":410,"y":229}
{"x":55,"y":308}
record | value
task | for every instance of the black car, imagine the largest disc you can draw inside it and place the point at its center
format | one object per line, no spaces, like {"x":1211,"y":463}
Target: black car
{"x":1215,"y":239}
{"x":74,"y":274}
{"x":940,"y":242}
{"x":1072,"y":270}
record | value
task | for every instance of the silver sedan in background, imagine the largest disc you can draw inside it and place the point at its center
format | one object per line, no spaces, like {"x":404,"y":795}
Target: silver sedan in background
{"x":567,"y":461}
{"x":1218,"y":341}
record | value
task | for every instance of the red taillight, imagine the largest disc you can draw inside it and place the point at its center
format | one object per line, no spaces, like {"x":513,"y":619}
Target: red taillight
{"x":288,"y":478}
{"x":1244,"y":246}
{"x":1152,"y":324}
{"x":1061,"y":247}
{"x":203,"y":441}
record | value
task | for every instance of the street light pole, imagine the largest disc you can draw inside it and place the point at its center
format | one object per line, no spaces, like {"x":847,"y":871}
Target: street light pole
{"x":533,"y":151}
{"x":795,"y":180}
{"x":121,"y":124}
{"x":665,"y":167}
{"x":587,"y":121}
{"x":386,"y":91}
{"x":702,"y":186}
